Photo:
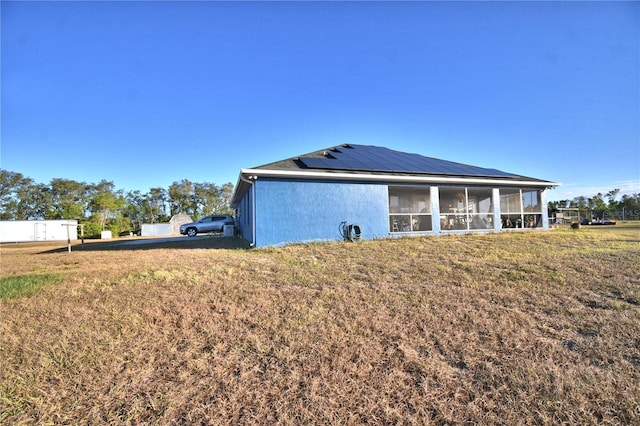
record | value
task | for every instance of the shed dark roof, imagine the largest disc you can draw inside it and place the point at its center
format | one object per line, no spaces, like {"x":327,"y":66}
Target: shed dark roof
{"x":380,"y":160}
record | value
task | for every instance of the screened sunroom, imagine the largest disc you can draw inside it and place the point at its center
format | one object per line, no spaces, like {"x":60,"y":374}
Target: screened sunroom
{"x":415,"y":209}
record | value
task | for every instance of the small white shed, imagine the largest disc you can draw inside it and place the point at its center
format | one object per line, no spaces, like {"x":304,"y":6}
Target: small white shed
{"x":177,"y":220}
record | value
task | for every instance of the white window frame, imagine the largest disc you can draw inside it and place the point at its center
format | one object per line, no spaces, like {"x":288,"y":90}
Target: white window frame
{"x":522,"y":218}
{"x":466,"y":215}
{"x":408,"y":221}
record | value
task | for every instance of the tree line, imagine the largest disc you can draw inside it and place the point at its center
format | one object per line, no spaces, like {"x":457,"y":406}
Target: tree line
{"x":603,"y":205}
{"x":101,"y":206}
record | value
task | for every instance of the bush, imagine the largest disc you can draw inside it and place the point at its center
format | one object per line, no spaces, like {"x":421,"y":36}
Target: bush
{"x":92,"y":229}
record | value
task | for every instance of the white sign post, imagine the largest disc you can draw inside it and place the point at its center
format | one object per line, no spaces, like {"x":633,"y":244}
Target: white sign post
{"x":68,"y":236}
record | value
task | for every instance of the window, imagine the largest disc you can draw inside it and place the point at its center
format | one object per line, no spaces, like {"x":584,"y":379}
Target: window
{"x":409,"y":209}
{"x":520,"y":208}
{"x":466,"y":208}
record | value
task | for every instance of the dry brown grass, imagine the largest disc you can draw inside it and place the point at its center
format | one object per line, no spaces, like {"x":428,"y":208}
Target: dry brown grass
{"x":517,"y":328}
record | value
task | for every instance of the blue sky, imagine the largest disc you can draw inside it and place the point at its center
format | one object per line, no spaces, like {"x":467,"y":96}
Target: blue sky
{"x":147,"y":93}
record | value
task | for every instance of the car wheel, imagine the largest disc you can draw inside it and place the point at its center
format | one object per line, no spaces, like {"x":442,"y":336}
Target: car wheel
{"x":192,"y":232}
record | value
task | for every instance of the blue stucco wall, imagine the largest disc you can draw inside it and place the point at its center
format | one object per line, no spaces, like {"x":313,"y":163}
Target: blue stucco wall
{"x":290,"y":211}
{"x":244,"y":215}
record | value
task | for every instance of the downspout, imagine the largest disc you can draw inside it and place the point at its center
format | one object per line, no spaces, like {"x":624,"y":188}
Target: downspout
{"x":251,"y":181}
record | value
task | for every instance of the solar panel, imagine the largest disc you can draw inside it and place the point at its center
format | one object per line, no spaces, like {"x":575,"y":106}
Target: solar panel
{"x":315,"y":163}
{"x":379,"y":159}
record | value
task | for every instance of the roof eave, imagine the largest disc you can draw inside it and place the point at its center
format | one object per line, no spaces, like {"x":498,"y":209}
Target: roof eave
{"x":242,"y":185}
{"x":319,"y":175}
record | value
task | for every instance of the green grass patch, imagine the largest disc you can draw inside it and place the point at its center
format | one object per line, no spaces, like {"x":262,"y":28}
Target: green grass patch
{"x":25,"y":285}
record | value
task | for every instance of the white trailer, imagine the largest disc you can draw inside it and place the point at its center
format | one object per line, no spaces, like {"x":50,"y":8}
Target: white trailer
{"x":15,"y":231}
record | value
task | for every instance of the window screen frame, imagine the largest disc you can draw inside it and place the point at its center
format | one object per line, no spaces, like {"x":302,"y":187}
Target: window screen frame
{"x":410,"y":209}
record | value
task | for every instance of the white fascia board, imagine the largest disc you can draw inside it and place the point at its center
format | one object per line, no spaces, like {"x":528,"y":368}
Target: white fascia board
{"x":256,"y":173}
{"x":239,"y":190}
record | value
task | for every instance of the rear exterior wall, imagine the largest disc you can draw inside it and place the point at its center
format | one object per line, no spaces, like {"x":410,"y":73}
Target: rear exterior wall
{"x":289,"y":211}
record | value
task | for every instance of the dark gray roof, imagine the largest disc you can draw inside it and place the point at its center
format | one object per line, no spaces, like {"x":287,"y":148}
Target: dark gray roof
{"x":380,"y":160}
{"x":378,"y":164}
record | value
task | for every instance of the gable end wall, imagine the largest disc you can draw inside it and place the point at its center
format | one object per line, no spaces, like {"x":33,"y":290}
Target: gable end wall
{"x":300,"y":211}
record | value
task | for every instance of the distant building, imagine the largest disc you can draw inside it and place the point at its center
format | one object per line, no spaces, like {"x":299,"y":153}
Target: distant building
{"x":385,"y":192}
{"x":165,"y":229}
{"x":177,"y":220}
{"x":13,"y":231}
{"x":155,"y":229}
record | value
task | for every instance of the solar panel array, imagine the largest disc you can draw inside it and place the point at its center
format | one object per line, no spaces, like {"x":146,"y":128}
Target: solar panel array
{"x":378,"y":159}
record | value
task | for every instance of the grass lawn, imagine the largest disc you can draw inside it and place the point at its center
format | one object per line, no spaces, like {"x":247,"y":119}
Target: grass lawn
{"x":510,"y":328}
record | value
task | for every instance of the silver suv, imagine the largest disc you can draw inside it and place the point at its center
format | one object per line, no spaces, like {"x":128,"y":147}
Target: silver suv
{"x":206,"y":224}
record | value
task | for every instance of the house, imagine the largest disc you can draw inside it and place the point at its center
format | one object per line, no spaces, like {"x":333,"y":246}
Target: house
{"x":386,"y":193}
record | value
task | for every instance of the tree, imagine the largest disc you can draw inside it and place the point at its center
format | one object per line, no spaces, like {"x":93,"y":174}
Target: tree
{"x":134,"y":209}
{"x":226,"y":194}
{"x":631,"y":203}
{"x":611,"y":196}
{"x":181,"y":198}
{"x":579,"y":202}
{"x":69,"y":199}
{"x":597,"y":202}
{"x":553,"y":206}
{"x":33,"y":201}
{"x":106,"y":204}
{"x":146,"y":208}
{"x":11,"y":185}
{"x":156,"y":199}
{"x":208,"y":198}
{"x":19,"y":197}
